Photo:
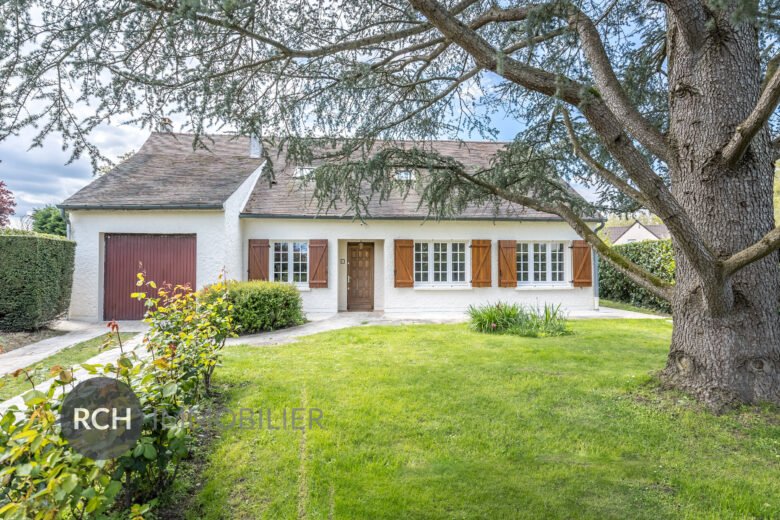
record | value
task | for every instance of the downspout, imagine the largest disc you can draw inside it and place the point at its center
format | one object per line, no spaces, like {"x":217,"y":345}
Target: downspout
{"x":64,"y":216}
{"x":596,"y":269}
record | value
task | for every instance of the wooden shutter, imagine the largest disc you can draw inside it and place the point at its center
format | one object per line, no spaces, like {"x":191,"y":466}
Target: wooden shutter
{"x":258,"y":259}
{"x":581,"y":264}
{"x":507,"y":263}
{"x":318,"y":263}
{"x":480,"y":263}
{"x":404,"y":263}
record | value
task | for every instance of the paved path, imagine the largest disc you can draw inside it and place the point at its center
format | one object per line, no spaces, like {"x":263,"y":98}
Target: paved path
{"x":109,"y":356}
{"x":76,"y":332}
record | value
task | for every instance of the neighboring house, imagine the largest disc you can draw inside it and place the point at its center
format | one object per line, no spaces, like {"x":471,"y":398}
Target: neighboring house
{"x":637,"y":232}
{"x":184,"y":216}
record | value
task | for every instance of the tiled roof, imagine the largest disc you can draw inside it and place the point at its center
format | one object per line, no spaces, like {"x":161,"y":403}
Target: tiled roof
{"x":615,"y":232}
{"x":167,"y":173}
{"x":659,"y":230}
{"x":289,"y":197}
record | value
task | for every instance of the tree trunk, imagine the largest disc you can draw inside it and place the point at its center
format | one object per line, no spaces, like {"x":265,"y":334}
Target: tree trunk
{"x":726,"y":341}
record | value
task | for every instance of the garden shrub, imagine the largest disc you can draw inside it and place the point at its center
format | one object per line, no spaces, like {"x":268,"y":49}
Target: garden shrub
{"x":656,"y":256}
{"x":36,"y":276}
{"x":260,"y":306}
{"x":511,"y":318}
{"x":43,"y":478}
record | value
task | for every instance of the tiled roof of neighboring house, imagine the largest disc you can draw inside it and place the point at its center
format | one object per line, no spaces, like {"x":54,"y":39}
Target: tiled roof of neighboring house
{"x":659,"y":230}
{"x":289,"y":197}
{"x":167,"y":173}
{"x":615,"y":232}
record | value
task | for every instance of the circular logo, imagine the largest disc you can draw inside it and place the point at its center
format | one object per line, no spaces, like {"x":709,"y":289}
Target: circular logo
{"x":101,"y":418}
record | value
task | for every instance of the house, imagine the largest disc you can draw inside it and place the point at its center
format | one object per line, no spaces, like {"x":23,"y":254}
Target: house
{"x":637,"y":232}
{"x":184,"y":216}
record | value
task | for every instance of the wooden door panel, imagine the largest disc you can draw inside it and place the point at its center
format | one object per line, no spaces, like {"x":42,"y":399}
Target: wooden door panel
{"x":360,"y":277}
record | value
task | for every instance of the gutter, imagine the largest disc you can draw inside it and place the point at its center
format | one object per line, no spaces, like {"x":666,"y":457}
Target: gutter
{"x":70,"y":207}
{"x":64,"y":216}
{"x":349,"y":217}
{"x":596,"y":269}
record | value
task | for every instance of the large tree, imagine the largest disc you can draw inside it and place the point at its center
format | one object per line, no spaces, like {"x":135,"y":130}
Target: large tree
{"x":666,"y":106}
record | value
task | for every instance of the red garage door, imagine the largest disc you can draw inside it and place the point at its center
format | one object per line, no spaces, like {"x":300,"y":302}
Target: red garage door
{"x":164,"y":258}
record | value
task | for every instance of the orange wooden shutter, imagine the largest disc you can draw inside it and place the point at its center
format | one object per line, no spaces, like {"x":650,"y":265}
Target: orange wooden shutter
{"x":480,"y":263}
{"x":318,"y":263}
{"x":404,"y":263}
{"x":507,"y":263}
{"x":581,"y":264}
{"x":258,"y":259}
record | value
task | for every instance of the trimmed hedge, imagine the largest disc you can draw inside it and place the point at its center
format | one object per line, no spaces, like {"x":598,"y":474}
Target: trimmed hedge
{"x":261,"y":306}
{"x":655,"y":256}
{"x":36,"y":276}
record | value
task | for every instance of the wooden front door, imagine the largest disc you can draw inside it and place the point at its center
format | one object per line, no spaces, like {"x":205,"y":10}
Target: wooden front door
{"x":360,"y":277}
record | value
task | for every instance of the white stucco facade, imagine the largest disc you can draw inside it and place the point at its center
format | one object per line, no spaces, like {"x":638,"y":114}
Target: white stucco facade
{"x":422,"y":297}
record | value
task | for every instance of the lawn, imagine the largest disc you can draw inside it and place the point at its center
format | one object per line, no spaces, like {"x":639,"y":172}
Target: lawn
{"x":66,"y":358}
{"x":435,"y":421}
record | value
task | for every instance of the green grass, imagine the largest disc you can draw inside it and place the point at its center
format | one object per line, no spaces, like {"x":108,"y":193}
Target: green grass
{"x":627,"y":307}
{"x":438,"y":422}
{"x":66,"y":358}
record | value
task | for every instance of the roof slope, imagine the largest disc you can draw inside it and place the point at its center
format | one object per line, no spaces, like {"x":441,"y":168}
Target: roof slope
{"x":167,"y":173}
{"x":658,"y":230}
{"x":289,"y":197}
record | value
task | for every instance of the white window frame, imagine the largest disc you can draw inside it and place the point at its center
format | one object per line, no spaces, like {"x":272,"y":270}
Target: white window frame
{"x":290,"y":261}
{"x":548,"y":263}
{"x":405,"y":175}
{"x":302,"y":172}
{"x":449,"y":251}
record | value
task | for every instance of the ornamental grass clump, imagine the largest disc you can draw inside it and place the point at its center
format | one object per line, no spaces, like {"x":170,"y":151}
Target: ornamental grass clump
{"x":520,"y":320}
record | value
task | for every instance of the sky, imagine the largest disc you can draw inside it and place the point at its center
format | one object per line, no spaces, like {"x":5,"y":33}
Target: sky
{"x":41,"y":176}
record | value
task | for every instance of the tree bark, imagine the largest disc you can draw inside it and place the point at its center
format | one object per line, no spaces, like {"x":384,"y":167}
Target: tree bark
{"x":726,"y":341}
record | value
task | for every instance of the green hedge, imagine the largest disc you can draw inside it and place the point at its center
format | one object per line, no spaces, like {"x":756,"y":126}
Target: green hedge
{"x":260,"y":306}
{"x":36,"y":276}
{"x":655,"y":256}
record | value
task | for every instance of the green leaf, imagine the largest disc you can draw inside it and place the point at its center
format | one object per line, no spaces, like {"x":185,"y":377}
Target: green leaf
{"x":149,"y":452}
{"x":34,"y":397}
{"x":139,"y":450}
{"x":169,"y":389}
{"x":125,"y":362}
{"x":69,"y":482}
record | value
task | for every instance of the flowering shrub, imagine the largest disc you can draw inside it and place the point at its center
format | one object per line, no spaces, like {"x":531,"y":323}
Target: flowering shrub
{"x":43,"y":478}
{"x":511,"y":318}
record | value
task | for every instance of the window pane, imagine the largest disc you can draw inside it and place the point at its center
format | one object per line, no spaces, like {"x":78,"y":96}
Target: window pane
{"x":300,"y":261}
{"x":540,"y":262}
{"x":522,"y":262}
{"x":458,"y":255}
{"x":281,"y":258}
{"x":556,"y":262}
{"x":440,"y":262}
{"x":420,"y":262}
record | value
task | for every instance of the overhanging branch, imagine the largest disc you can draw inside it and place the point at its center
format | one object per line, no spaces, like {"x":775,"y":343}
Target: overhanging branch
{"x":746,"y":131}
{"x":633,"y":272}
{"x":768,"y":243}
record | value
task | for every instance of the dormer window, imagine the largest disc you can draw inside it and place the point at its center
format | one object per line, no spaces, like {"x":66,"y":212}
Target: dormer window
{"x":301,"y":172}
{"x":404,"y":175}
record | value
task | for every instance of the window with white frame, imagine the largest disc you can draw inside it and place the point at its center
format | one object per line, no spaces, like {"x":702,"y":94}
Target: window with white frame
{"x":540,"y":262}
{"x":439,"y":262}
{"x":302,"y":172}
{"x":404,"y":175}
{"x":291,"y":262}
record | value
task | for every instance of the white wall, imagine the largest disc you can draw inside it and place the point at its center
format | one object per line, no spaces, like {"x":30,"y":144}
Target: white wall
{"x":636,"y":233}
{"x":88,"y":228}
{"x":232,"y":225}
{"x":417,"y":299}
